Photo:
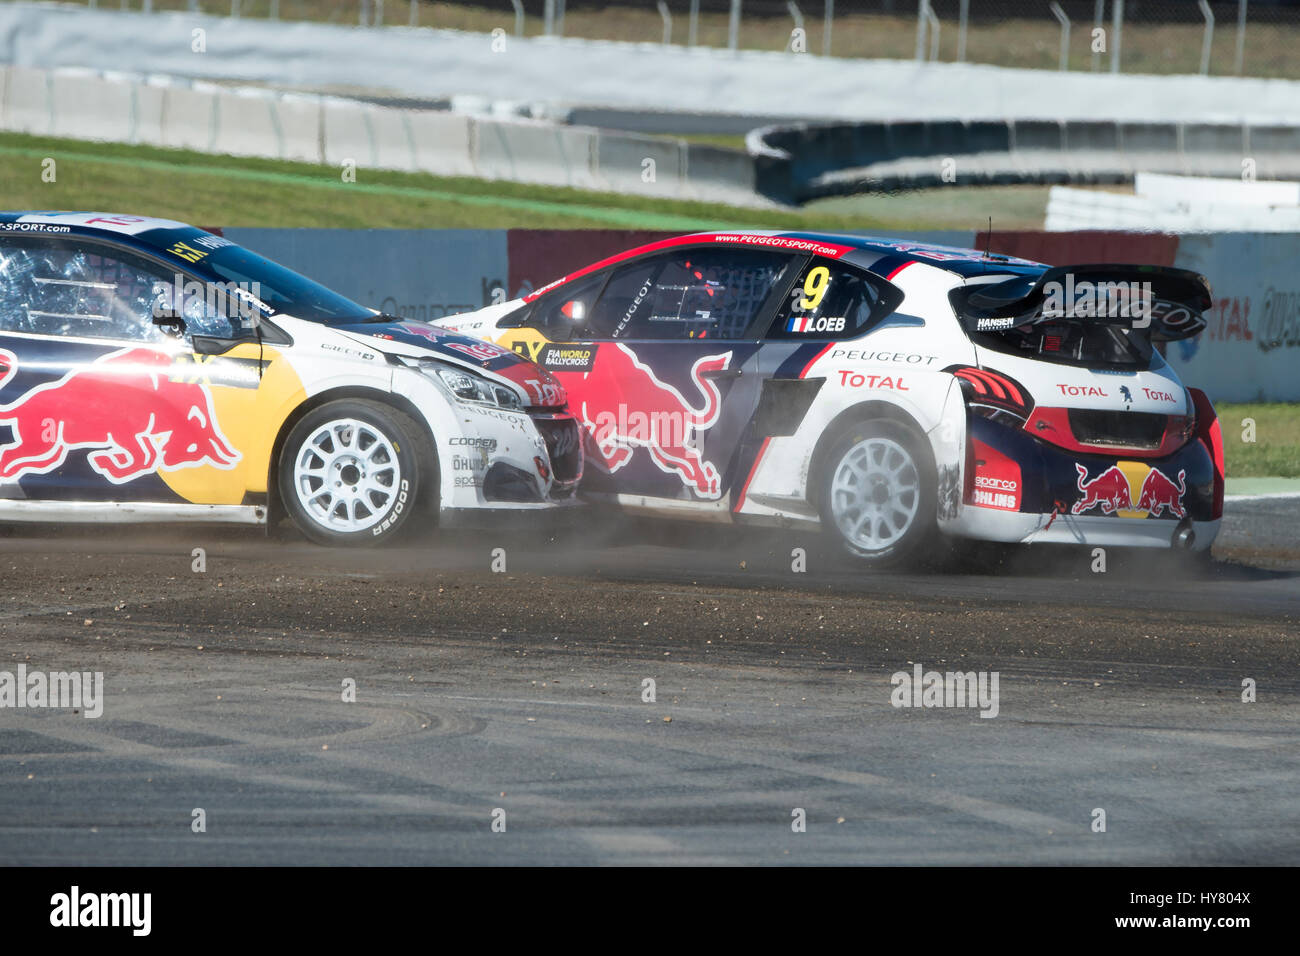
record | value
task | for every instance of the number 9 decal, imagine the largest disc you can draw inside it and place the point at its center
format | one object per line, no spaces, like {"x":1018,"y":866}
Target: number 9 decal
{"x":814,"y":288}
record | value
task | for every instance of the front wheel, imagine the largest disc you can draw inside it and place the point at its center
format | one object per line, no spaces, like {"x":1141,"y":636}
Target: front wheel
{"x":352,"y":471}
{"x":878,"y":493}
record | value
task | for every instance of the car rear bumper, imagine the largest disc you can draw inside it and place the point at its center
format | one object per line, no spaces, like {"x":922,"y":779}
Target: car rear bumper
{"x":986,"y":524}
{"x":1016,"y":488}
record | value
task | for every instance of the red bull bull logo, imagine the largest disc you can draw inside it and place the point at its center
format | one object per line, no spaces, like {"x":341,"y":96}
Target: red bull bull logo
{"x":124,"y":409}
{"x":1111,"y":491}
{"x":625,"y":406}
{"x":1160,"y":494}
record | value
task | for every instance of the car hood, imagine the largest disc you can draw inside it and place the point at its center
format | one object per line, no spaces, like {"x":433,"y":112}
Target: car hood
{"x":479,"y":322}
{"x":412,"y":339}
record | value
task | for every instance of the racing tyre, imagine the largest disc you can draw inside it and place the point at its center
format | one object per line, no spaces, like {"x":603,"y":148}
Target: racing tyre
{"x":354,"y":472}
{"x":878,"y":493}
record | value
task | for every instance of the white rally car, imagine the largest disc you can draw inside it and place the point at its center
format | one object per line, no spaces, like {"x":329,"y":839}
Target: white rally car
{"x":884,"y":389}
{"x":153,"y":371}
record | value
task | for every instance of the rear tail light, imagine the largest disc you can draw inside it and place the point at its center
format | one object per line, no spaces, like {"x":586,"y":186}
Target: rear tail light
{"x":993,"y":395}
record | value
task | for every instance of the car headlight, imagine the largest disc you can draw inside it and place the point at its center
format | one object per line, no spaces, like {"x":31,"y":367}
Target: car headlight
{"x":469,"y":387}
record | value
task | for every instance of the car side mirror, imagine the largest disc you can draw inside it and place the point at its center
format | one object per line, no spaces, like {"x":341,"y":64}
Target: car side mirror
{"x":212,"y":344}
{"x":170,"y":322}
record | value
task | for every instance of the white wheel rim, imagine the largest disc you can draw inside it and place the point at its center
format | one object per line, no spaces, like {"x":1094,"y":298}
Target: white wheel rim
{"x":347,"y":475}
{"x":875,"y":494}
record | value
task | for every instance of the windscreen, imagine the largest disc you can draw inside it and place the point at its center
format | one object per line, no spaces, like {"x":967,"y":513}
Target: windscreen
{"x":275,"y":289}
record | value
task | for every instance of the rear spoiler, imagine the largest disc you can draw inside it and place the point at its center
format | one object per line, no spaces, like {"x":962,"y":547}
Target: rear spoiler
{"x":1169,"y":302}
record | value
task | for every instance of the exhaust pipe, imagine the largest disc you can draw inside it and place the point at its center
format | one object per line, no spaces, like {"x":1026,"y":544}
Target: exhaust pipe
{"x":1184,"y":537}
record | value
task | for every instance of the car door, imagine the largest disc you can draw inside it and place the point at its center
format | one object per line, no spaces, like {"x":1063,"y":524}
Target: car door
{"x":829,"y":302}
{"x":659,"y":356}
{"x":101,"y":399}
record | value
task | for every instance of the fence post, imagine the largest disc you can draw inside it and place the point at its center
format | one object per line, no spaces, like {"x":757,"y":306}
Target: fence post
{"x":1116,"y":29}
{"x":559,"y":17}
{"x":548,"y":18}
{"x":733,"y":27}
{"x":1209,"y":35}
{"x":828,"y":17}
{"x":1098,"y":17}
{"x":519,"y":16}
{"x":963,"y":19}
{"x":933,"y":18}
{"x":791,"y":6}
{"x":1241,"y":37}
{"x":1065,"y":33}
{"x":693,"y":27}
{"x":920,"y":30}
{"x":668,"y":21}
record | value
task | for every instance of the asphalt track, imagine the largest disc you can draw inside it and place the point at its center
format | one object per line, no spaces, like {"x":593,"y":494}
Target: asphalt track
{"x":521,"y":691}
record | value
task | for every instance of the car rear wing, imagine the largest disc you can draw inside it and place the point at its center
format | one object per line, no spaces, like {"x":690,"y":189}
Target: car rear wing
{"x":1168,"y":302}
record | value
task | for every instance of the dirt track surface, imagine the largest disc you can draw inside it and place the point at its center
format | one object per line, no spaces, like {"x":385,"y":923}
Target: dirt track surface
{"x":522,"y":691}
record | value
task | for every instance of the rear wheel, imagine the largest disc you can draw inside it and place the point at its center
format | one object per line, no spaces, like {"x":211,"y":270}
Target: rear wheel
{"x":878,"y":493}
{"x":352,"y":471}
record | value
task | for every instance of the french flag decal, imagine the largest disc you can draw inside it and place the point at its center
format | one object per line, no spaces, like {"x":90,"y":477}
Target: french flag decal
{"x":800,"y":323}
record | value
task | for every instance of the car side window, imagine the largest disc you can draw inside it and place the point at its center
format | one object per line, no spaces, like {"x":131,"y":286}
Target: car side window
{"x":62,"y":288}
{"x":564,"y":316}
{"x":689,"y":294}
{"x":833,"y":301}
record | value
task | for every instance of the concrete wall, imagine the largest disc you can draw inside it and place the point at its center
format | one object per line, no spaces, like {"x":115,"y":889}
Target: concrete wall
{"x":249,"y":121}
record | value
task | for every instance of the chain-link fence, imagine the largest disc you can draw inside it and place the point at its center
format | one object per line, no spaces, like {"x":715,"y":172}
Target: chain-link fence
{"x":1215,"y":37}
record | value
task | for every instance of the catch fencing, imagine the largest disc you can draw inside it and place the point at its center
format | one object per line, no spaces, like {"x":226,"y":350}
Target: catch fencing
{"x":1209,"y":37}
